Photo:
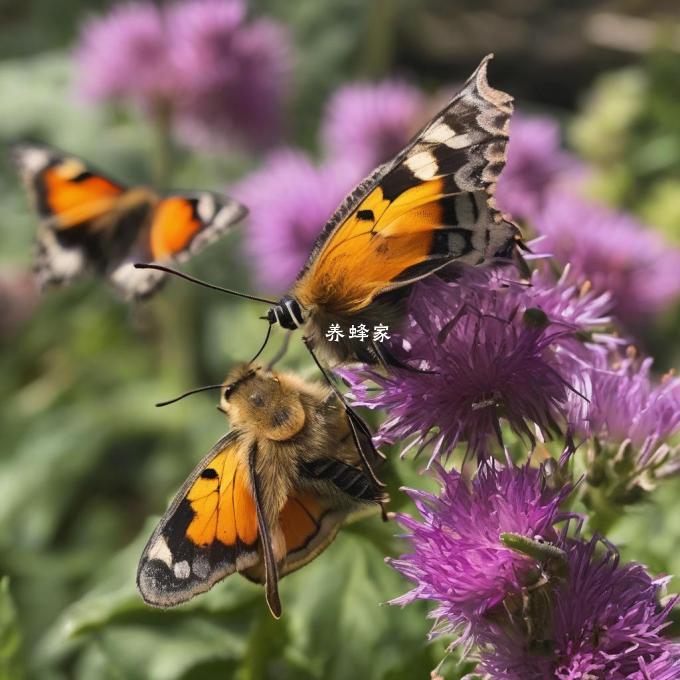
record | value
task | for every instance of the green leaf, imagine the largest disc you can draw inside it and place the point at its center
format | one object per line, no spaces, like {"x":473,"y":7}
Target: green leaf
{"x":340,"y":622}
{"x":10,"y":635}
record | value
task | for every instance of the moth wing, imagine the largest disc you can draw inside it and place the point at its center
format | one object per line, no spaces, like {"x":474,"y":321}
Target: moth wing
{"x":429,"y":206}
{"x":68,"y":197}
{"x":65,"y":191}
{"x":313,"y":515}
{"x":180,"y":226}
{"x":209,"y":531}
{"x":308,"y":524}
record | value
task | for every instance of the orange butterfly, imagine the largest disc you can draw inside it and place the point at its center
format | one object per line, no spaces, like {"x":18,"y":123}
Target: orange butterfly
{"x":268,"y":498}
{"x":91,"y":223}
{"x":429,"y":207}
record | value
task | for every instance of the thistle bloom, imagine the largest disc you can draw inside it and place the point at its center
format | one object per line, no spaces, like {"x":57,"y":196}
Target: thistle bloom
{"x":217,"y":75}
{"x":457,"y":558}
{"x":535,"y":163}
{"x":632,"y":421}
{"x":232,"y":74}
{"x":370,"y":123}
{"x":485,"y":350}
{"x":603,"y":621}
{"x":286,"y":217}
{"x":124,"y":55}
{"x":614,"y":252}
{"x":626,"y":405}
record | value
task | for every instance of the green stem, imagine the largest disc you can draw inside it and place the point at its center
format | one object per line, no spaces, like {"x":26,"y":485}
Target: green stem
{"x":176,"y":316}
{"x":379,"y":45}
{"x":603,"y":514}
{"x":163,"y":151}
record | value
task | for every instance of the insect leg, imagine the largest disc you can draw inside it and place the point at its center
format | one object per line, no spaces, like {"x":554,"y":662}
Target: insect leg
{"x":360,"y":432}
{"x":271,"y":575}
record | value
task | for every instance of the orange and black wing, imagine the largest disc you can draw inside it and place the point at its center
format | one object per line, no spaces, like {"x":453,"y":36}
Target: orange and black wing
{"x":210,"y":530}
{"x":309,"y":524}
{"x":313,"y":514}
{"x":429,"y":206}
{"x":69,"y":198}
{"x":66,"y":192}
{"x":179,"y":227}
{"x":90,"y":222}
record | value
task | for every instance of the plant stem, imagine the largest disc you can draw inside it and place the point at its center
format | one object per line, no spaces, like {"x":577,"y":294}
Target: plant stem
{"x":175,"y":315}
{"x":163,"y":151}
{"x":603,"y":513}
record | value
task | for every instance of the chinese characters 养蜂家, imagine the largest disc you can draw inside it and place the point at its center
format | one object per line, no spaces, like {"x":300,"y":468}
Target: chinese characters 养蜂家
{"x":360,"y":332}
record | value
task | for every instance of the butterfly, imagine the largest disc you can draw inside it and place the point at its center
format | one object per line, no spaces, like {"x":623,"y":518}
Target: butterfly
{"x":268,"y":498}
{"x":90,"y":223}
{"x":430,"y":206}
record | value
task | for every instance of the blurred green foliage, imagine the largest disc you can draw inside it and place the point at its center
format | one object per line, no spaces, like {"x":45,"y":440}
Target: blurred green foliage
{"x":88,"y":463}
{"x":630,"y":131}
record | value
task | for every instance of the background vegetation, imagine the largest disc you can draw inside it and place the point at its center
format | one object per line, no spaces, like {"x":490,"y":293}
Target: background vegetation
{"x":87,"y":463}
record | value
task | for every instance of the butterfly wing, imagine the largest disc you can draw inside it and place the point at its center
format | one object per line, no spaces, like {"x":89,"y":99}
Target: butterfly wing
{"x":180,"y":226}
{"x":431,"y":205}
{"x":330,"y":490}
{"x":68,"y":198}
{"x":209,"y":531}
{"x":88,"y":221}
{"x":308,"y":523}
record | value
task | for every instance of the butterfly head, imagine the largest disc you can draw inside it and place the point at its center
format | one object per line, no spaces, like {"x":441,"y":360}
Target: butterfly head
{"x":262,"y":403}
{"x":288,"y":313}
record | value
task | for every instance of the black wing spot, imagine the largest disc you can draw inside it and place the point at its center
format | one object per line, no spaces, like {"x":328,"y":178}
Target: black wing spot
{"x":397,"y":181}
{"x":366,"y":215}
{"x":209,"y":473}
{"x":82,"y":177}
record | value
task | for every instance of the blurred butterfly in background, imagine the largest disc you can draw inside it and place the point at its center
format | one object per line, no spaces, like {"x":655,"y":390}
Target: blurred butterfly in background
{"x":92,"y":224}
{"x":429,"y":207}
{"x":268,"y":498}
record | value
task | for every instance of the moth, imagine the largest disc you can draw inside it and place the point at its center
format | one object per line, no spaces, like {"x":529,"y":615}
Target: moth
{"x":268,"y":498}
{"x":430,"y":206}
{"x":90,"y":223}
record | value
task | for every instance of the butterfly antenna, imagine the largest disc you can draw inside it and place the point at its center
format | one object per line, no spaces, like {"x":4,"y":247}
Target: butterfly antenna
{"x":205,"y":284}
{"x":205,"y":388}
{"x":264,"y":344}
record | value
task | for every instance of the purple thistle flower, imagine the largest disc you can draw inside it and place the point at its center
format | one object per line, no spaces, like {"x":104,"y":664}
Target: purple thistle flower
{"x":614,"y":252}
{"x":665,"y":667}
{"x":626,"y":405}
{"x":601,"y":620}
{"x":487,"y":351}
{"x":286,"y":218}
{"x":458,"y":559}
{"x":573,"y":302}
{"x":218,"y":76}
{"x":232,"y":74}
{"x":535,"y":163}
{"x":632,"y":422}
{"x":124,"y":55}
{"x":368,"y":123}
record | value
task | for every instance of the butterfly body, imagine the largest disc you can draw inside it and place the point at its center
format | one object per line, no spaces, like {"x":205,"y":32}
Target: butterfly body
{"x":429,"y":208}
{"x":269,"y":497}
{"x":92,"y":224}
